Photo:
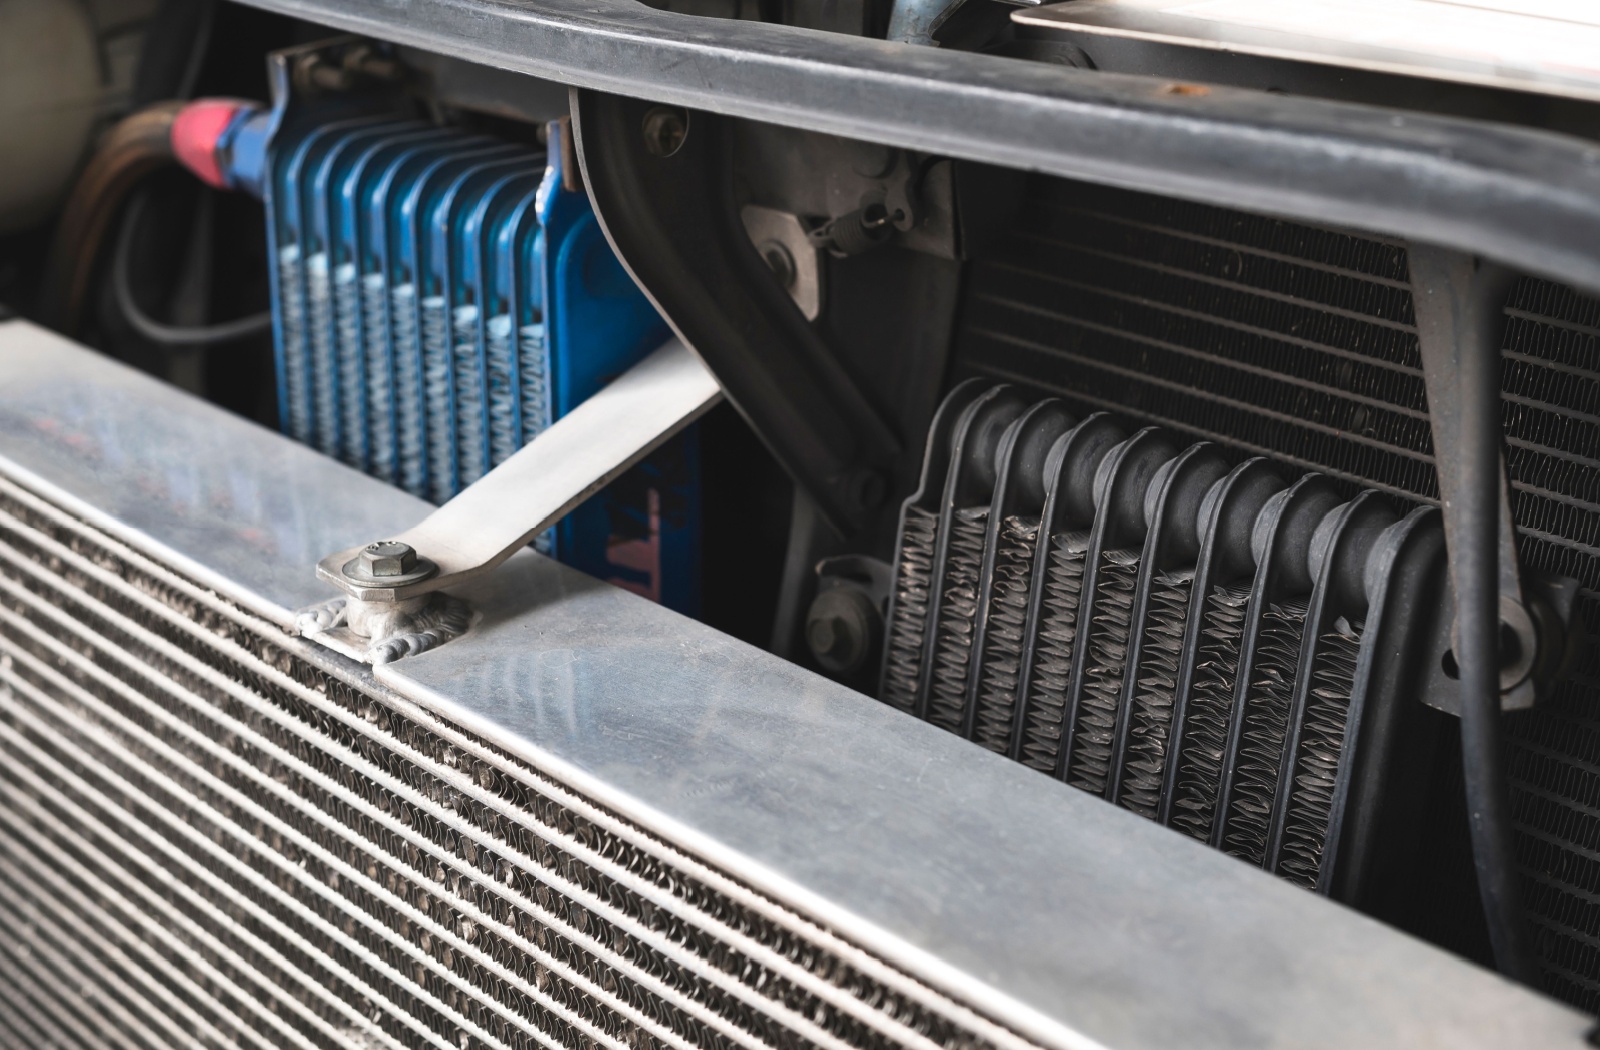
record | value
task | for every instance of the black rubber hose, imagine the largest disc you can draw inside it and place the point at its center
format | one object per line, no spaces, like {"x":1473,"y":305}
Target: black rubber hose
{"x":1478,"y":640}
{"x":137,"y":145}
{"x":173,"y":336}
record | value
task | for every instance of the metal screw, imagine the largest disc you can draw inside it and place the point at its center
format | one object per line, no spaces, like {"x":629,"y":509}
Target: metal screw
{"x":387,"y":558}
{"x":665,"y":129}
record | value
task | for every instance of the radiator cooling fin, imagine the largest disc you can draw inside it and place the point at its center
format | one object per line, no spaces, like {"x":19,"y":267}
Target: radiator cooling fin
{"x":1198,"y":762}
{"x":912,"y":586}
{"x":1058,"y":628}
{"x":1150,"y":713}
{"x":958,"y":609}
{"x":996,"y":686}
{"x":1263,"y":727}
{"x":1316,"y":764}
{"x":1089,"y":759}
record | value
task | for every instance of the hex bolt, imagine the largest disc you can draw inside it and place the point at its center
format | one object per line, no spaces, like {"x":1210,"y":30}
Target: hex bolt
{"x":387,"y":558}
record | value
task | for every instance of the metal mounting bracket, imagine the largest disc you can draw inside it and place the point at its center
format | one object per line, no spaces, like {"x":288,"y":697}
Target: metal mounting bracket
{"x":386,"y":583}
{"x":1460,"y":310}
{"x":665,"y":199}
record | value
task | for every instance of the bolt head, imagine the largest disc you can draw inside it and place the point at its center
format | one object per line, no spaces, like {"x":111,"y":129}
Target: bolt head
{"x":843,"y":628}
{"x":827,"y":636}
{"x":387,"y":558}
{"x":665,"y":128}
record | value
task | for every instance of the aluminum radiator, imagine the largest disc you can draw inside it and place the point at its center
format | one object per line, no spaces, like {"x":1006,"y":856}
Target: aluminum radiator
{"x":587,"y":823}
{"x":1280,"y":340}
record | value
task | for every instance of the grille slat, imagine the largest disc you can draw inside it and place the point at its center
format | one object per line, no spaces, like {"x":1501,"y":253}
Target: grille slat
{"x":22,"y":1030}
{"x":419,"y":803}
{"x":382,"y":824}
{"x":56,"y":1013}
{"x":179,"y":952}
{"x":101,"y":973}
{"x":356,"y":762}
{"x":213,"y":865}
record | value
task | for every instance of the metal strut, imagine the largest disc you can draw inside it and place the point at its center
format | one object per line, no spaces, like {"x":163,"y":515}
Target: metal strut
{"x":1459,"y":302}
{"x":387,"y":584}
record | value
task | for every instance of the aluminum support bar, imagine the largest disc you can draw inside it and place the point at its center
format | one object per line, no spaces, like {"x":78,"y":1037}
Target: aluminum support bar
{"x":577,"y":456}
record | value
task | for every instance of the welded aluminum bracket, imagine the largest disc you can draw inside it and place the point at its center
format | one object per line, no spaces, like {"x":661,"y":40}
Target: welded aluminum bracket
{"x":387,"y":584}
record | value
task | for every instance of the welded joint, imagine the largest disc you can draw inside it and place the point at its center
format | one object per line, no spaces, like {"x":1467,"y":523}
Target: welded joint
{"x":392,"y":603}
{"x":383,"y":632}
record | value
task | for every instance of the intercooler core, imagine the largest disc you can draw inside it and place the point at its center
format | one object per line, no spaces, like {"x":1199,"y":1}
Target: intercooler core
{"x":210,"y":839}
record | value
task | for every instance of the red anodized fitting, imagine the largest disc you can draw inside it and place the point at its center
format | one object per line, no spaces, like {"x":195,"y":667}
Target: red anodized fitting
{"x":196,"y":132}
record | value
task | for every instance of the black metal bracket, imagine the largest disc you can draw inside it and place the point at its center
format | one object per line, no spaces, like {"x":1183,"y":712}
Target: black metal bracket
{"x":1460,"y":309}
{"x":1460,"y":306}
{"x":661,"y":180}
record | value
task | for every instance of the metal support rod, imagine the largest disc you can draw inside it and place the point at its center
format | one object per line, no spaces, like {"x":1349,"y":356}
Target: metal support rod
{"x":1462,"y":295}
{"x":915,"y":21}
{"x":1477,"y":656}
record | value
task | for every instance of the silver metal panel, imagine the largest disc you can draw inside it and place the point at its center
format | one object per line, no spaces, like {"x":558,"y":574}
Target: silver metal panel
{"x":1493,"y":44}
{"x":1076,"y":923}
{"x":238,"y":504}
